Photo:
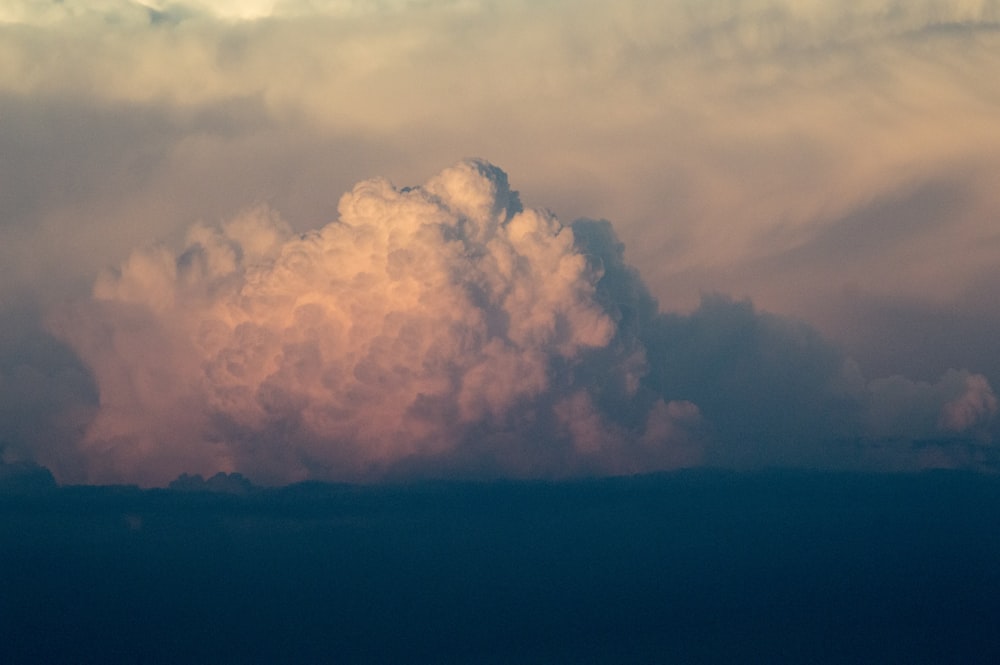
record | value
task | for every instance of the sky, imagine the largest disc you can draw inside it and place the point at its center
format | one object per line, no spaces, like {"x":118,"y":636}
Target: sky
{"x":363,"y":240}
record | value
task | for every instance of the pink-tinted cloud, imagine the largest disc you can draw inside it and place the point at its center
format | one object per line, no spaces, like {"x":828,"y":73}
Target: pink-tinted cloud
{"x":959,"y":403}
{"x":447,"y":329}
{"x":414,"y":320}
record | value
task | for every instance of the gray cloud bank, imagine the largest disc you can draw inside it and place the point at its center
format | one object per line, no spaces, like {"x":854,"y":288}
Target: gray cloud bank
{"x":447,"y":329}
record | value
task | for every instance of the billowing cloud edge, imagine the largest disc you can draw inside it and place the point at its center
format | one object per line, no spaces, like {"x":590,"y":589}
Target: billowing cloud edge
{"x":448,"y":329}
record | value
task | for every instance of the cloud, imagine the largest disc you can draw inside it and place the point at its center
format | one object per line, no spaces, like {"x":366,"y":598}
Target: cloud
{"x":718,"y":136}
{"x":775,"y":392}
{"x":417,"y":319}
{"x":47,"y":397}
{"x":791,"y":154}
{"x":447,"y":329}
{"x":959,"y":403}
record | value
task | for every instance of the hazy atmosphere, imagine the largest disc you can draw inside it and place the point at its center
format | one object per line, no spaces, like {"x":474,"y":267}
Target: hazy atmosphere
{"x":499,"y":331}
{"x":363,"y":240}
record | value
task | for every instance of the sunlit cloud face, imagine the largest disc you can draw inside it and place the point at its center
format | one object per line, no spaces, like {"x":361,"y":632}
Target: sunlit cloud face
{"x":421,"y":321}
{"x":447,"y":329}
{"x":830,"y":163}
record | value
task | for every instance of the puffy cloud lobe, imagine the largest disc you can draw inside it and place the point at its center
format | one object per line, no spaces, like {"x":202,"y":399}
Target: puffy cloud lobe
{"x":419,"y":317}
{"x":945,"y":424}
{"x":973,"y":408}
{"x":960,"y":403}
{"x":446,"y":329}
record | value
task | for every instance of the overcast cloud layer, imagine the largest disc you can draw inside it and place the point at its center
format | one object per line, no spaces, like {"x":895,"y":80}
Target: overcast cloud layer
{"x":834,"y":165}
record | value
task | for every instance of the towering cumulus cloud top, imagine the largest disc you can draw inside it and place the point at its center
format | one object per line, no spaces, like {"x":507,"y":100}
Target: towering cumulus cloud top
{"x":447,"y":329}
{"x":441,"y":322}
